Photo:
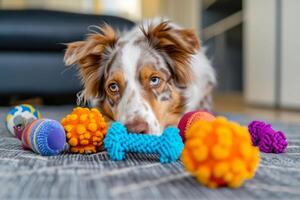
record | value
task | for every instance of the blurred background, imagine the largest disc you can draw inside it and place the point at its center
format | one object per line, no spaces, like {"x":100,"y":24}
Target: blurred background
{"x":252,"y":44}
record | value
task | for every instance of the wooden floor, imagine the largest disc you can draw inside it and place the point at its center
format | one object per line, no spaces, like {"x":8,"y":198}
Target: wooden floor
{"x":235,"y":103}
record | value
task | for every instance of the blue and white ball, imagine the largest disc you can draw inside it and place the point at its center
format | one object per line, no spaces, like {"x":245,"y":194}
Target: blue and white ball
{"x":18,"y":117}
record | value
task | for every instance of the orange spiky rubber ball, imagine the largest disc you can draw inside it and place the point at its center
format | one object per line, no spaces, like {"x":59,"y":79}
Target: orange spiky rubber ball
{"x":85,"y":130}
{"x":220,"y":153}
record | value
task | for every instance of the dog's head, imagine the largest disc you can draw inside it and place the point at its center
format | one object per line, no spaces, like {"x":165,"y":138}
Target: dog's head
{"x":136,"y":79}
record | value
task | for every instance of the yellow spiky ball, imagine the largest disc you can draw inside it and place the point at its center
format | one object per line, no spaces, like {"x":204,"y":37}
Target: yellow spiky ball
{"x":220,"y":153}
{"x":85,"y":130}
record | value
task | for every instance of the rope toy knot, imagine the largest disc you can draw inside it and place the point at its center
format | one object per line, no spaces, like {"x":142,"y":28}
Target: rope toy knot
{"x":266,"y":138}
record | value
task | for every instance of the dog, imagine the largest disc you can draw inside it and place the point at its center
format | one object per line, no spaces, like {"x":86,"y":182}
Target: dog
{"x":147,"y":77}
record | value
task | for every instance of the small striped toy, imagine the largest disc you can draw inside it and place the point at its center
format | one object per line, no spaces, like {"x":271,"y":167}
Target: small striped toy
{"x":44,"y":136}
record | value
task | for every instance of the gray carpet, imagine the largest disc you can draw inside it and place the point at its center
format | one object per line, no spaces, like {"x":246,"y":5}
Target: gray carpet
{"x":25,"y":175}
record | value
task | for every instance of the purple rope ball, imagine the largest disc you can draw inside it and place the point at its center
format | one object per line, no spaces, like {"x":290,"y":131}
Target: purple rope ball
{"x":256,"y":128}
{"x":266,"y":138}
{"x":273,"y":142}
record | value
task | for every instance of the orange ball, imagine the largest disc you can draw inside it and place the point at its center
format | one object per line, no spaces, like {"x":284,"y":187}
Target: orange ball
{"x":85,"y":130}
{"x":220,"y":153}
{"x":191,"y":117}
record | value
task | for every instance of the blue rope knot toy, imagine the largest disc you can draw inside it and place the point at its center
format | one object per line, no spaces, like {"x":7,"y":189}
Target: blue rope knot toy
{"x":118,"y":142}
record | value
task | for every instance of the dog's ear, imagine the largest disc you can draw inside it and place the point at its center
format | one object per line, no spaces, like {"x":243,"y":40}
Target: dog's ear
{"x":94,"y":45}
{"x":89,"y":55}
{"x":178,"y":44}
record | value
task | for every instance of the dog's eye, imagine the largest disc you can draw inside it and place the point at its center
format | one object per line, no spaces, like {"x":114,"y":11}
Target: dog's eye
{"x":154,"y":81}
{"x":113,"y":87}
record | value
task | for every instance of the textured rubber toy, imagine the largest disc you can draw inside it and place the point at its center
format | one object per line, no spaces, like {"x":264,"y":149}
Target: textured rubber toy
{"x":118,"y":142}
{"x":45,"y":137}
{"x":220,"y":153}
{"x":85,"y":129}
{"x":191,"y":117}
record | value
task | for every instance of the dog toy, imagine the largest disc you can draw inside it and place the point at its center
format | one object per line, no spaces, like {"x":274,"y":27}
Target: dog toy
{"x":85,"y":130}
{"x":19,"y":117}
{"x":118,"y":142}
{"x":219,"y":153}
{"x":191,"y":117}
{"x":44,"y":136}
{"x":266,"y":138}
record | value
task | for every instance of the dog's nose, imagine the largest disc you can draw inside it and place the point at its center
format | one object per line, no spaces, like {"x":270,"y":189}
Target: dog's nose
{"x":137,"y":126}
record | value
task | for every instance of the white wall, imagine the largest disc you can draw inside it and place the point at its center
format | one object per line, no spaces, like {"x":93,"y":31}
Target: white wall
{"x":290,"y":65}
{"x":259,"y":51}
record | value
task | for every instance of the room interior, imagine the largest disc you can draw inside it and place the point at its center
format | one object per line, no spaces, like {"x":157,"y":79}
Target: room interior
{"x":228,"y":32}
{"x":252,"y":45}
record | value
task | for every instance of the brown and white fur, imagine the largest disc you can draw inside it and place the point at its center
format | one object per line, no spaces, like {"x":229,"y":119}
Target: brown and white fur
{"x":146,"y":78}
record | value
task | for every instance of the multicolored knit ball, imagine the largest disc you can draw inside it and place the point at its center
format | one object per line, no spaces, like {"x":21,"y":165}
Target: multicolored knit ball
{"x":266,"y":138}
{"x":220,"y":153}
{"x":19,"y":117}
{"x":85,"y":130}
{"x":191,"y":117}
{"x":44,"y":136}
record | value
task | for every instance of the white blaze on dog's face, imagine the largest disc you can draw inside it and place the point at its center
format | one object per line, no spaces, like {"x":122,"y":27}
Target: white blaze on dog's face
{"x":139,"y":88}
{"x":138,"y":81}
{"x":134,"y":108}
